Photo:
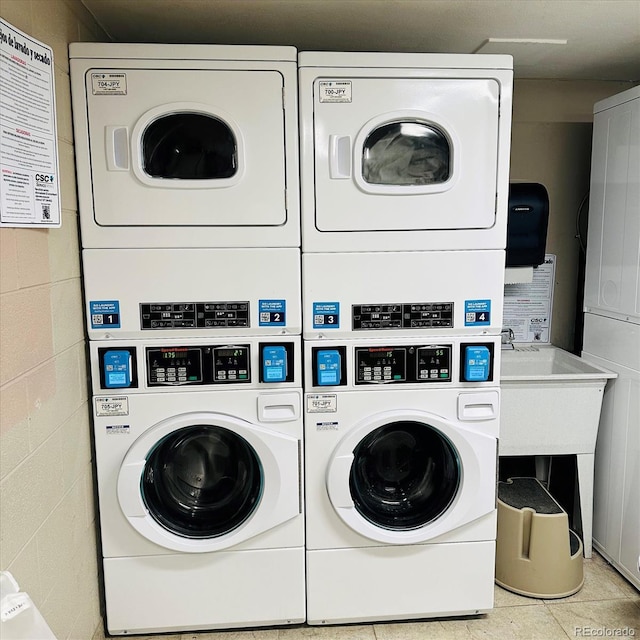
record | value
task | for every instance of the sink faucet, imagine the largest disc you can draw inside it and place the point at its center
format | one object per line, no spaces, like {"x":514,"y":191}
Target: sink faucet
{"x":506,"y":338}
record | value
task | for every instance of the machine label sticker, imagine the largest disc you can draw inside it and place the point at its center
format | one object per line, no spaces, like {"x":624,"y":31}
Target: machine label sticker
{"x":322,"y":403}
{"x":112,"y":406}
{"x":477,"y":313}
{"x":334,"y":90}
{"x":326,"y":426}
{"x":272,"y":313}
{"x":105,"y":313}
{"x":326,"y":315}
{"x":109,"y":84}
{"x":117,"y":429}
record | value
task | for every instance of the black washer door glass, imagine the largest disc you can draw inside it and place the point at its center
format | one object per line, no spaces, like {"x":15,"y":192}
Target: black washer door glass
{"x":189,"y":146}
{"x":202,"y":481}
{"x":406,"y":154}
{"x":404,"y":475}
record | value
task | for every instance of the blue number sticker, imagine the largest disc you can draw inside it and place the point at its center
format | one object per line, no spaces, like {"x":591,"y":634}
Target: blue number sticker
{"x":272,"y":313}
{"x":477,"y":313}
{"x":105,"y":314}
{"x":326,"y":315}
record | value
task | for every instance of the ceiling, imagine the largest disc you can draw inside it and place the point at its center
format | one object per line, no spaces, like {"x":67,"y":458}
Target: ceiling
{"x":602,"y":36}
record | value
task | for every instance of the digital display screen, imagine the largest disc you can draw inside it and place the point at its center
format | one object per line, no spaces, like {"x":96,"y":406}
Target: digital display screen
{"x":171,"y":355}
{"x":230,"y":353}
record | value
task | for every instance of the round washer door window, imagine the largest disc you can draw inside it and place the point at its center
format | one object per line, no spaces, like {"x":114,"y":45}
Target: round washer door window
{"x":404,"y":475}
{"x":202,"y":481}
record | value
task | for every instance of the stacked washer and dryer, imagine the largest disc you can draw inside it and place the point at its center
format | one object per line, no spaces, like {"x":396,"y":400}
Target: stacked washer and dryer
{"x":198,"y":302}
{"x":404,"y":187}
{"x":187,"y":168}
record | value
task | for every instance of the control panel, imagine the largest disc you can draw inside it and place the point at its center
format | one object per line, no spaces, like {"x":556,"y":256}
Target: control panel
{"x":398,"y":364}
{"x":207,"y":364}
{"x":231,"y":363}
{"x":194,"y":315}
{"x":178,"y":365}
{"x":409,"y":315}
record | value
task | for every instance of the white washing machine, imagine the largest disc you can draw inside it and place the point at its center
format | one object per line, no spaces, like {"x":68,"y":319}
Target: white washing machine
{"x":179,"y":293}
{"x":186,"y":145}
{"x":404,"y":151}
{"x":199,"y":470}
{"x":400,"y":466}
{"x":362,"y":295}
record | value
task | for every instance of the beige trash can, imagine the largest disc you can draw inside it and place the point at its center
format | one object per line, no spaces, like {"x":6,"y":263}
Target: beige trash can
{"x":537,"y":555}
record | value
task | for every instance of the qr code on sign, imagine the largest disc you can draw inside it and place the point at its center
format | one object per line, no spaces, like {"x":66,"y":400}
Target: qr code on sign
{"x":318,"y":320}
{"x":96,"y":318}
{"x":46,"y":212}
{"x":470,"y":317}
{"x":265,"y":316}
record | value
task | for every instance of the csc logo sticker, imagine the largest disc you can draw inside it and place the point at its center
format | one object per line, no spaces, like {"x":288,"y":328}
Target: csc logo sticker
{"x":40,"y":177}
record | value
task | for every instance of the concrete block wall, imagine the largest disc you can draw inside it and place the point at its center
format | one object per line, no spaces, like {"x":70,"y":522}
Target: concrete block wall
{"x":47,"y":510}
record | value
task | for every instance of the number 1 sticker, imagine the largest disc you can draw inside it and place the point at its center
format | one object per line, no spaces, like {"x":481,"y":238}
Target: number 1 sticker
{"x":105,"y":313}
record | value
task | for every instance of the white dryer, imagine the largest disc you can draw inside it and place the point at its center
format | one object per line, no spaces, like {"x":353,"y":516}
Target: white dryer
{"x":404,"y":151}
{"x":186,"y":145}
{"x":400,"y":468}
{"x":198,"y":457}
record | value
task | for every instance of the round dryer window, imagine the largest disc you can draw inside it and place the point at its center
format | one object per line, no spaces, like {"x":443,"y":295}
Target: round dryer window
{"x":404,"y":475}
{"x":202,"y":481}
{"x":406,"y":154}
{"x":189,"y":146}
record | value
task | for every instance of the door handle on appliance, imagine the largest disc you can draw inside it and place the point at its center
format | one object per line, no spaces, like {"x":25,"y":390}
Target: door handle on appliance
{"x":478,"y":406}
{"x":278,"y":407}
{"x":338,"y":481}
{"x":117,"y":148}
{"x":129,"y":495}
{"x":339,"y":157}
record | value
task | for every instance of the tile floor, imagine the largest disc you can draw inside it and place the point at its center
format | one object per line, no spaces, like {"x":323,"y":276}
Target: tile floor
{"x":607,"y":606}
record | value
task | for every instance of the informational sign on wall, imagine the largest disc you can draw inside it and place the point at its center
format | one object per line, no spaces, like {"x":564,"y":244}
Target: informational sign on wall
{"x":528,"y":306}
{"x":29,"y":178}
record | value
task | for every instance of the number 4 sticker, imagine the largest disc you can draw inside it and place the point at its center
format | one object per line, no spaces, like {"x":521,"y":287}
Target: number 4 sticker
{"x":477,"y":313}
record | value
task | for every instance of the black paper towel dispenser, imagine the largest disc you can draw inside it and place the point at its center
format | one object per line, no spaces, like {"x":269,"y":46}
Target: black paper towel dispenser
{"x":527,"y":224}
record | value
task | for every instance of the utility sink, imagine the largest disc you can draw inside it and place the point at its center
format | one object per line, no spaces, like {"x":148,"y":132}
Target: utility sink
{"x":547,"y":363}
{"x":551,"y":402}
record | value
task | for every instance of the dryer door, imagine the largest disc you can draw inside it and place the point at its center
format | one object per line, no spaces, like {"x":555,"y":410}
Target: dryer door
{"x":406,"y":154}
{"x":404,"y":478}
{"x":186,"y":147}
{"x":202,"y":482}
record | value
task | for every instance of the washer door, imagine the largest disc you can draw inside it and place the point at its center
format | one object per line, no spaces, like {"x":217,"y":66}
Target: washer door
{"x":202,"y":481}
{"x":404,"y":478}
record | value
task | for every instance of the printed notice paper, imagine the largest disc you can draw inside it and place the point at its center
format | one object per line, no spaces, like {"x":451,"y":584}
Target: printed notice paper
{"x":29,"y":178}
{"x":528,"y":307}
